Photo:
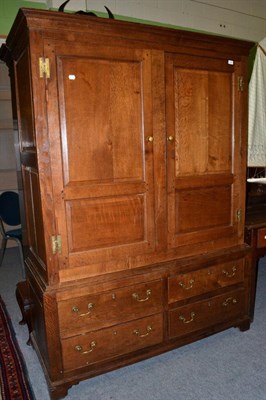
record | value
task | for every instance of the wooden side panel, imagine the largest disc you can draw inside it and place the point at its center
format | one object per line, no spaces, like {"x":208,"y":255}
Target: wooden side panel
{"x":25,"y":106}
{"x":35,"y":158}
{"x":34,"y":215}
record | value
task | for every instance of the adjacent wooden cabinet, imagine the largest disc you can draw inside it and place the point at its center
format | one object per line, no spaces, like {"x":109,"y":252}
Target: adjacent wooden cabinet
{"x":133,"y":152}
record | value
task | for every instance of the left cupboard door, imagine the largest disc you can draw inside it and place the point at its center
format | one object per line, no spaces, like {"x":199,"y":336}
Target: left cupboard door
{"x":99,"y":108}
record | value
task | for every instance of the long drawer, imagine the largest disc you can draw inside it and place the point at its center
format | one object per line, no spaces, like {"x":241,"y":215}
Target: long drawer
{"x":91,"y":312}
{"x":199,"y":315}
{"x":205,"y":280}
{"x":104,"y":344}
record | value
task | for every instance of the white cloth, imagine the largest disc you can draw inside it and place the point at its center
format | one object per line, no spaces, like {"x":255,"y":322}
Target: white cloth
{"x":257,"y":110}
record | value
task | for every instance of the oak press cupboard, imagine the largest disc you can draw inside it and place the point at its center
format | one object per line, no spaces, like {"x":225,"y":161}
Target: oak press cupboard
{"x":133,"y":159}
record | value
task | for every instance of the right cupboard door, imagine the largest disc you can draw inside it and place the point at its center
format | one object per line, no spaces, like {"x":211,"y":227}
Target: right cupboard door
{"x":205,"y":182}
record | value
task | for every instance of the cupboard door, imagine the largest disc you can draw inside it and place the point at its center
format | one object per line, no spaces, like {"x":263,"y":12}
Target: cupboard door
{"x":102,"y":152}
{"x":203,"y":152}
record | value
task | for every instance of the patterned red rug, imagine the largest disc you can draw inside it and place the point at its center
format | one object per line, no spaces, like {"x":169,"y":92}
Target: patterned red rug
{"x":14,"y":383}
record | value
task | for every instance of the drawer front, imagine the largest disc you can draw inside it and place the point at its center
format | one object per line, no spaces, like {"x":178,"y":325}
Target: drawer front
{"x":104,"y":344}
{"x":200,"y":315}
{"x":261,"y":238}
{"x":87,"y":313}
{"x":184,"y":286}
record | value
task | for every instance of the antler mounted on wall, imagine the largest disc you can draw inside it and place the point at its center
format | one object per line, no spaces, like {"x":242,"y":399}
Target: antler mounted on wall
{"x":80,"y":12}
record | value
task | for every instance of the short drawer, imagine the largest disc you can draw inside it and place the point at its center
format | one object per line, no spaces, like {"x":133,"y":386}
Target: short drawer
{"x":91,"y":312}
{"x":104,"y":344}
{"x":205,"y":280}
{"x":200,"y":315}
{"x":261,"y":238}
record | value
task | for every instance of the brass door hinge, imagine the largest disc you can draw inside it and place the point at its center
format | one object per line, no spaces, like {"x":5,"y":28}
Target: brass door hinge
{"x":56,"y":244}
{"x":241,"y":84}
{"x":44,"y":67}
{"x":239,"y":215}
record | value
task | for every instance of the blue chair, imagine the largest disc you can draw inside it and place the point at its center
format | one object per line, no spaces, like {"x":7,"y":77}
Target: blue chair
{"x":10,"y":215}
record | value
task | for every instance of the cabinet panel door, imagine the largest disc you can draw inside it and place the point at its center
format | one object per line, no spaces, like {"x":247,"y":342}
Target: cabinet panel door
{"x":102,"y":160}
{"x":203,"y":150}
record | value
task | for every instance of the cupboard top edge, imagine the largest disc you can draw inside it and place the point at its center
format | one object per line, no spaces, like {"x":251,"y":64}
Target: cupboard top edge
{"x":28,"y":19}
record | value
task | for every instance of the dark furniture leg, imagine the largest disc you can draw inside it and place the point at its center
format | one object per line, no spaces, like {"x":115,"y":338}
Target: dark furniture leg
{"x":25,"y":305}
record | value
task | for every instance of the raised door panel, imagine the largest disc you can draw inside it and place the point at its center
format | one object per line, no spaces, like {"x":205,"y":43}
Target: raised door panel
{"x":105,"y":194}
{"x":202,"y":151}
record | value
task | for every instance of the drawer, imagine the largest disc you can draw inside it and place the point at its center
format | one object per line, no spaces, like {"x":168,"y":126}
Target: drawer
{"x":261,"y":238}
{"x":184,"y":286}
{"x":107,"y":343}
{"x":199,"y":315}
{"x":91,"y":312}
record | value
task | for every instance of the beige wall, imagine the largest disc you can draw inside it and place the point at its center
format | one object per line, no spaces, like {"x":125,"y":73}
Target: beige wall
{"x":244,"y":19}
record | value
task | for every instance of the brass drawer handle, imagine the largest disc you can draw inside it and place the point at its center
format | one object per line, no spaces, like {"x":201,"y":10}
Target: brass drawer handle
{"x":75,"y":309}
{"x":230,"y":274}
{"x":183,"y":285}
{"x":185,"y":321}
{"x":149,"y":329}
{"x":137,"y":297}
{"x":229,"y":300}
{"x":80,"y":348}
{"x":170,"y":138}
